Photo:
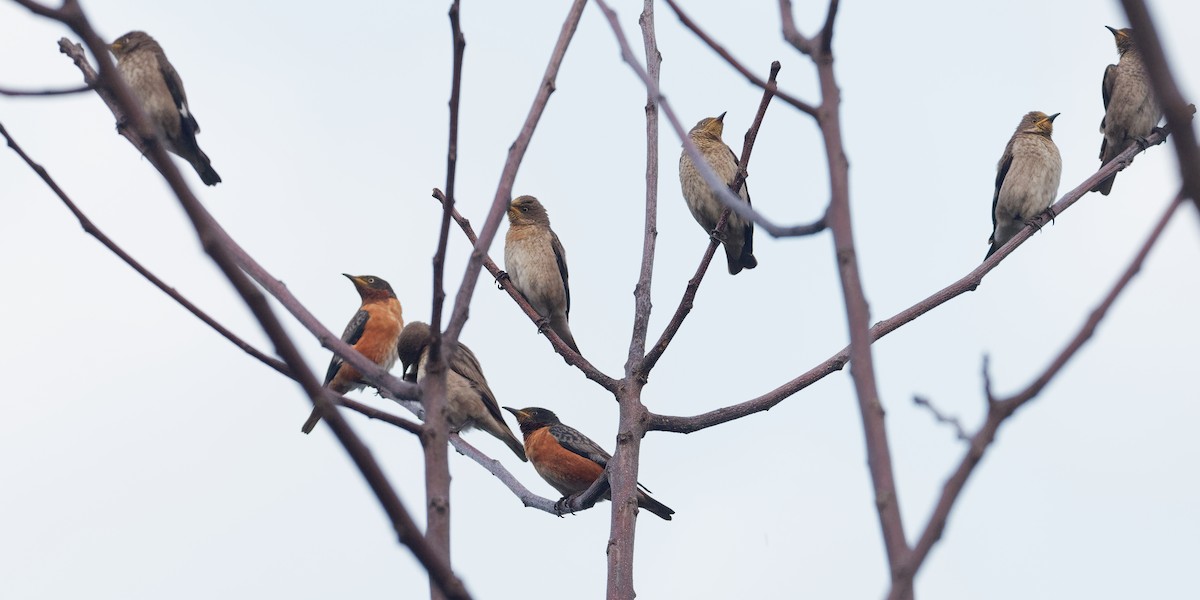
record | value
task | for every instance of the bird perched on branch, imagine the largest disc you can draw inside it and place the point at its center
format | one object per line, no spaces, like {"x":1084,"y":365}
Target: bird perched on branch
{"x":1026,"y":178}
{"x":702,"y":200}
{"x":537,"y":264}
{"x":373,"y":331}
{"x":158,"y":87}
{"x":567,"y":459}
{"x":469,"y":400}
{"x":1130,"y":108}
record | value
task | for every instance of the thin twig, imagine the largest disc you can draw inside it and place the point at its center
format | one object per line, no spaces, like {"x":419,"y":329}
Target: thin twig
{"x":1001,"y":410}
{"x":4,"y":91}
{"x":942,"y":418}
{"x":800,"y":105}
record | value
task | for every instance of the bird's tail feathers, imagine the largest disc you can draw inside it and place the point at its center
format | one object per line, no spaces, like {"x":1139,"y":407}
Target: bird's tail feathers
{"x":313,"y":418}
{"x":563,"y":329}
{"x":659,"y":509}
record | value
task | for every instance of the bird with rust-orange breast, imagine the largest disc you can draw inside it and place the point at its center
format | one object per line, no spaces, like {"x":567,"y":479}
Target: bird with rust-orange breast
{"x":373,"y":331}
{"x":567,"y":459}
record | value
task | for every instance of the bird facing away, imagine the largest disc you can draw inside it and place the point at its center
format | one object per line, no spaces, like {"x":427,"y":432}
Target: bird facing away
{"x":738,"y":236}
{"x":158,"y":87}
{"x":567,"y":459}
{"x":537,"y":264}
{"x":1130,"y":109}
{"x":469,"y":400}
{"x":373,"y":331}
{"x":1026,"y":178}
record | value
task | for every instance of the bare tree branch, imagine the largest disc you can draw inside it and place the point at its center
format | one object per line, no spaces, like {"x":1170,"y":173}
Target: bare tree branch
{"x":90,"y":228}
{"x":862,"y":369}
{"x":1177,"y":110}
{"x":800,"y":105}
{"x":1000,"y":410}
{"x":5,"y":91}
{"x":966,"y":283}
{"x":942,"y":418}
{"x":436,"y":430}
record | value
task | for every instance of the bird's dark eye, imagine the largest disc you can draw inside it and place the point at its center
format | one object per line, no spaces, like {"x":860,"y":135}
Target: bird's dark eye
{"x":524,"y":209}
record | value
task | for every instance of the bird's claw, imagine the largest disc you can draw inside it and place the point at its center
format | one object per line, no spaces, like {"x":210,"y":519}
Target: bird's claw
{"x":717,"y":236}
{"x":501,"y":276}
{"x":563,"y":506}
{"x":1142,"y":142}
{"x":542,"y":324}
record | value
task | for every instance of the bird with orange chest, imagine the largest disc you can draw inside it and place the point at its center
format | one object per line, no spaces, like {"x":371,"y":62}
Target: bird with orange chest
{"x":567,"y":459}
{"x":373,"y":331}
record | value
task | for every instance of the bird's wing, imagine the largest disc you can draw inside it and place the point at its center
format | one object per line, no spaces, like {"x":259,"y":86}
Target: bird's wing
{"x":175,"y":85}
{"x":354,"y":331}
{"x":560,"y":256}
{"x":1106,"y":87}
{"x":467,"y":366}
{"x":580,"y":444}
{"x":1001,"y":172}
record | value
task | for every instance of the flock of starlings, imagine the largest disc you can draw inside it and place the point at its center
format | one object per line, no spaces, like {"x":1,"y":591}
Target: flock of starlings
{"x":1027,"y":178}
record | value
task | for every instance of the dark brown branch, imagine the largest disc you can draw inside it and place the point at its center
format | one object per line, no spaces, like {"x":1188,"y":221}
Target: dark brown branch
{"x":508,"y":174}
{"x":218,"y":246}
{"x":1177,"y":110}
{"x":967,"y":283}
{"x":60,"y":92}
{"x":375,"y":413}
{"x":862,"y":369}
{"x":641,"y":292}
{"x":1001,"y":409}
{"x":434,"y":434}
{"x":569,"y":356}
{"x":800,"y":105}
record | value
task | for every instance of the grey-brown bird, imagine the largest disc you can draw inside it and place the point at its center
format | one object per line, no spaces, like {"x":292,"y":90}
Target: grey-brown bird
{"x":469,"y":400}
{"x":567,"y":459}
{"x":738,"y":236}
{"x":537,"y":264}
{"x":373,"y":331}
{"x":1130,"y":108}
{"x":1026,"y":178}
{"x":156,"y":84}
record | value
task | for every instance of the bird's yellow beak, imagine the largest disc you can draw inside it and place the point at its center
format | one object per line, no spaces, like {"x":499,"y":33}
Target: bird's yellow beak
{"x":358,"y":281}
{"x":115,"y":46}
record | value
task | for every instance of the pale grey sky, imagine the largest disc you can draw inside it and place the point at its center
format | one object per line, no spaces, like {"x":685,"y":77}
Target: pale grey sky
{"x":145,"y":457}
